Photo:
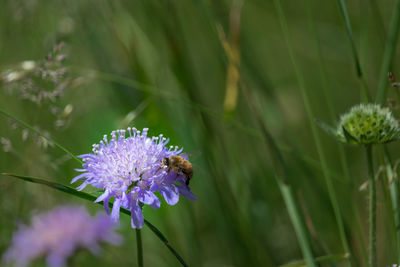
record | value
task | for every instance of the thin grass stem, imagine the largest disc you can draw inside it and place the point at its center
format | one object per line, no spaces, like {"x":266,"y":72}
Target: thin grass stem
{"x":5,"y":113}
{"x":332,"y":115}
{"x":372,"y":208}
{"x":390,"y":48}
{"x":282,"y":179}
{"x":345,"y":16}
{"x":394,"y":194}
{"x":320,"y":259}
{"x":72,"y":191}
{"x":295,"y":216}
{"x":324,"y":165}
{"x":281,"y":175}
{"x":139,"y":247}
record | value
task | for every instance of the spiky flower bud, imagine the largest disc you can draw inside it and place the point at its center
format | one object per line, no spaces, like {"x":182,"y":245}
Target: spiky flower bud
{"x":368,"y":124}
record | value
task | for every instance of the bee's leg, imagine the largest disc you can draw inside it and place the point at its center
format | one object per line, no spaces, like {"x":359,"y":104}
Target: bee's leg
{"x":160,"y":168}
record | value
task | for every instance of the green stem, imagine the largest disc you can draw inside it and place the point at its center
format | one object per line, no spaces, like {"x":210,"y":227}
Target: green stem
{"x":394,"y":193}
{"x":372,"y":209}
{"x":41,"y":134}
{"x":390,"y":47}
{"x":298,"y":224}
{"x":317,"y":139}
{"x":72,"y":191}
{"x":332,"y":115}
{"x":139,"y":247}
{"x":345,"y":16}
{"x":282,"y":178}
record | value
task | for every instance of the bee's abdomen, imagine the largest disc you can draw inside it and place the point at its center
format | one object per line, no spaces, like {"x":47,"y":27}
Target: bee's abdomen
{"x":188,"y":172}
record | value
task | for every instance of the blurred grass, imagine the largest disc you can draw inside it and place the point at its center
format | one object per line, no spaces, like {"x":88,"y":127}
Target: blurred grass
{"x":169,"y":55}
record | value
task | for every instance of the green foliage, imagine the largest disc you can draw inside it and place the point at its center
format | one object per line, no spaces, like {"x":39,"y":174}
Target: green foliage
{"x":170,"y":66}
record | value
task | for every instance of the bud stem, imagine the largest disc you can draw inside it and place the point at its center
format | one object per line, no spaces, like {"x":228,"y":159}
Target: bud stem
{"x":139,"y":247}
{"x":372,"y":208}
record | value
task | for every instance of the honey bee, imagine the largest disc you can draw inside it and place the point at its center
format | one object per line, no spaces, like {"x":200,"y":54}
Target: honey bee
{"x":179,"y":165}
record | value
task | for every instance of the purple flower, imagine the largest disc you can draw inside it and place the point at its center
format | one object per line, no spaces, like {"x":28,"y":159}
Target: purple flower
{"x":130,"y":170}
{"x":57,"y":234}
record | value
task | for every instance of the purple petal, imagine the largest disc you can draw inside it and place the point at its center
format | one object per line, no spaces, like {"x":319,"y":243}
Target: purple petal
{"x":156,"y":203}
{"x":137,"y":217}
{"x":115,"y":210}
{"x":80,"y":176}
{"x":54,"y":260}
{"x":80,"y":170}
{"x":169,"y":194}
{"x":149,"y":198}
{"x":185,"y":191}
{"x":103,"y":196}
{"x":86,"y":156}
{"x":107,"y":205}
{"x":79,"y":188}
{"x":154,"y":187}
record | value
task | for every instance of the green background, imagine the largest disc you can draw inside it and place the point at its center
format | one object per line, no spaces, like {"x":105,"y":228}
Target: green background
{"x":164,"y":62}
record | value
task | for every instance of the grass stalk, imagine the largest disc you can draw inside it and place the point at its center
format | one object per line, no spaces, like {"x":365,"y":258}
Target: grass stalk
{"x":282,"y":179}
{"x":92,"y":198}
{"x":5,"y":113}
{"x":324,"y":165}
{"x":372,"y":208}
{"x":298,"y":224}
{"x":332,"y":115}
{"x":345,"y":16}
{"x":394,"y":194}
{"x":82,"y":194}
{"x":320,"y":260}
{"x":280,"y":172}
{"x":390,"y":48}
{"x":139,"y":247}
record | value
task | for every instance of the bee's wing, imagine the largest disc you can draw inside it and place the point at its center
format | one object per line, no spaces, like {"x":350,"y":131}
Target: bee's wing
{"x":191,"y":155}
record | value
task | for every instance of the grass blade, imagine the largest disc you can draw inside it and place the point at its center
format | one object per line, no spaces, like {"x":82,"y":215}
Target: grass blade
{"x":321,"y":259}
{"x":333,"y":117}
{"x":281,"y":175}
{"x":5,"y":113}
{"x":394,"y":193}
{"x":92,"y":198}
{"x":318,"y":143}
{"x":327,"y":128}
{"x":390,"y":47}
{"x":345,"y":16}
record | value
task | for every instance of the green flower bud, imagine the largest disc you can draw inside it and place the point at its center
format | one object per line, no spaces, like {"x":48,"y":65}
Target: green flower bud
{"x":368,"y":124}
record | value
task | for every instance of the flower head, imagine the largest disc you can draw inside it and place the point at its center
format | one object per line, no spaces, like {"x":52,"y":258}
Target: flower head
{"x":57,"y":234}
{"x":129,"y":168}
{"x":368,"y":124}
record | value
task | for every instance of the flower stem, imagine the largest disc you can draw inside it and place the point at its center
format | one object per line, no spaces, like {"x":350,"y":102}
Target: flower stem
{"x":394,"y":193}
{"x":390,"y":48}
{"x":372,"y":209}
{"x":282,"y":178}
{"x":318,"y":142}
{"x":139,"y":247}
{"x":89,"y":197}
{"x":346,"y":19}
